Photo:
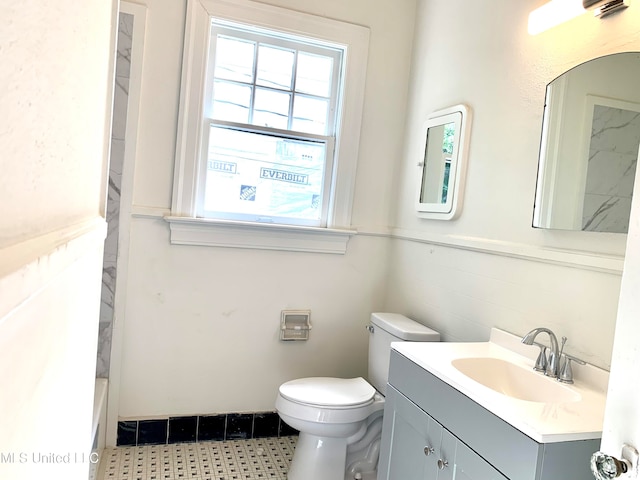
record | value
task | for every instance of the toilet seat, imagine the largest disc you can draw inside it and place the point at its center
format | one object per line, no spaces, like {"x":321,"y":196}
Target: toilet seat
{"x":329,"y":392}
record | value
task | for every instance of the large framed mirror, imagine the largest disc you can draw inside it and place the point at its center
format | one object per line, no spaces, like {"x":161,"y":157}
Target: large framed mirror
{"x":589,"y":147}
{"x":443,"y":163}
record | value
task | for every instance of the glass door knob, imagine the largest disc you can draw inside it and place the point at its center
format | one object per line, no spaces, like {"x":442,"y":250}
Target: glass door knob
{"x":605,"y":467}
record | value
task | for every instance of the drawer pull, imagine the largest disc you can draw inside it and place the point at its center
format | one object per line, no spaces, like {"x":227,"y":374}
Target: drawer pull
{"x":442,"y":464}
{"x":428,"y":450}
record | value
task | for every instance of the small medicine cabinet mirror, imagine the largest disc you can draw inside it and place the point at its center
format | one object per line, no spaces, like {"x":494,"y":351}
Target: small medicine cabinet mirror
{"x":443,"y":162}
{"x":589,"y":147}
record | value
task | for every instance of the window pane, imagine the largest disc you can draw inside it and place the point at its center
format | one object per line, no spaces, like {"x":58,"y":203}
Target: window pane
{"x":275,"y":67}
{"x":271,"y":109}
{"x":310,"y":115}
{"x":313,"y":74}
{"x":231,"y":102}
{"x":234,"y":59}
{"x":261,"y":175}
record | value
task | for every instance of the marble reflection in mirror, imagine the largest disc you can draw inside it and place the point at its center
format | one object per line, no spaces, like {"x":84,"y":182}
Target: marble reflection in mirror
{"x":589,"y":148}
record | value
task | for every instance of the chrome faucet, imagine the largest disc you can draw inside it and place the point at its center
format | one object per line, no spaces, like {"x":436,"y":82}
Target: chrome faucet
{"x":550,"y":365}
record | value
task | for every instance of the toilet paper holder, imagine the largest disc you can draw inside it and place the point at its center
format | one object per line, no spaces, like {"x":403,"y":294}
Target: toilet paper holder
{"x":295,"y":324}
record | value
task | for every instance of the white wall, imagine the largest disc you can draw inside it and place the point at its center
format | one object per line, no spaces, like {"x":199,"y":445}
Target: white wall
{"x":200,"y":329}
{"x":49,"y":55}
{"x":55,"y":103}
{"x":494,"y":66}
{"x":48,"y":341}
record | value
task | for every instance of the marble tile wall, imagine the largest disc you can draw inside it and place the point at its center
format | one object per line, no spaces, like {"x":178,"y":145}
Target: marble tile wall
{"x":613,"y":157}
{"x":109,"y":274}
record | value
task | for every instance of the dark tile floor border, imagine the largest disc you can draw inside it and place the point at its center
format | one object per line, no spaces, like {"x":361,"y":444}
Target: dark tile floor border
{"x":201,"y":428}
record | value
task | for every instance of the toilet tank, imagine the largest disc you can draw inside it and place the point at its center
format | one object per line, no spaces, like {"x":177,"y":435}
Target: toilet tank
{"x":384,"y":329}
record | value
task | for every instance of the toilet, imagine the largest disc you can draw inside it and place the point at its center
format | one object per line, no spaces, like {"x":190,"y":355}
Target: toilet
{"x":340,"y":419}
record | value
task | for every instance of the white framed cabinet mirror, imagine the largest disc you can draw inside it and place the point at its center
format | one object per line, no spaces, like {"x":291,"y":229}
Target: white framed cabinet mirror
{"x":443,"y":163}
{"x":589,"y":146}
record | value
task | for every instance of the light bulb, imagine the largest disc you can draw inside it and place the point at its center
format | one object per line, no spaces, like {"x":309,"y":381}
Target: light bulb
{"x":553,"y":13}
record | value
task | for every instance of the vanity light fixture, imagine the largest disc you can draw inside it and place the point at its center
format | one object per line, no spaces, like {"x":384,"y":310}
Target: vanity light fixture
{"x":604,"y":9}
{"x":556,"y":12}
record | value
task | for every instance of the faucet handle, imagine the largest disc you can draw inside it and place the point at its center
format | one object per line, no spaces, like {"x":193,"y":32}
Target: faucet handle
{"x":566,"y":373}
{"x":541,"y":362}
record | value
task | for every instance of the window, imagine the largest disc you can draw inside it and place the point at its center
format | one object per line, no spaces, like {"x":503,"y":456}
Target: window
{"x":270,"y":115}
{"x":270,"y":109}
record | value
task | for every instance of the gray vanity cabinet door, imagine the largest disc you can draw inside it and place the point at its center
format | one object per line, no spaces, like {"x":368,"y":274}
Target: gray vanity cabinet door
{"x":413,"y":441}
{"x":471,"y":466}
{"x":445,"y":463}
{"x":433,"y":442}
{"x":416,"y":447}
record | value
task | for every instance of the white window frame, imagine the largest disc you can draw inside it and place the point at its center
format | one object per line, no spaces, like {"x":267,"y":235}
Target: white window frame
{"x":234,"y":30}
{"x":186,"y":228}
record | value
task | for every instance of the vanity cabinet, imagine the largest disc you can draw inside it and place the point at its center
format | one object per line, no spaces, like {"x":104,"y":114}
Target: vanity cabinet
{"x":427,"y":423}
{"x":419,"y":448}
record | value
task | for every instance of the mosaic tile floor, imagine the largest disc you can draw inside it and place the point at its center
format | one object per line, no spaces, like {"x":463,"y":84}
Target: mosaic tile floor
{"x":256,"y":459}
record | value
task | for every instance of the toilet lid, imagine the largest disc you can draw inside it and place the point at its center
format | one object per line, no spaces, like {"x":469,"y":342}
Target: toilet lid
{"x":328,"y":392}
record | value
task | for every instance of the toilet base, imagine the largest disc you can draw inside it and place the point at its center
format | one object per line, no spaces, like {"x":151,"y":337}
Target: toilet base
{"x":364,"y":476}
{"x":337,"y":458}
{"x":318,"y":458}
{"x":363,"y":455}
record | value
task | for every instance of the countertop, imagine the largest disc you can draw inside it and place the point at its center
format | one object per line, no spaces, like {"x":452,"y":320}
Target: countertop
{"x":543,"y":422}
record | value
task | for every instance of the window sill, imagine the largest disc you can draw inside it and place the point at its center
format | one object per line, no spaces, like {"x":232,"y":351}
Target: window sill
{"x":220,"y":233}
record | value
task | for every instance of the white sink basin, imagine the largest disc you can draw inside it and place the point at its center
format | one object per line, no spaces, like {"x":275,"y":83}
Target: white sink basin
{"x":515,"y":381}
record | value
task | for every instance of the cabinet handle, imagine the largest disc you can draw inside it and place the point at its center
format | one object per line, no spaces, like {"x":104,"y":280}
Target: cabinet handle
{"x":442,"y":464}
{"x":428,"y":450}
